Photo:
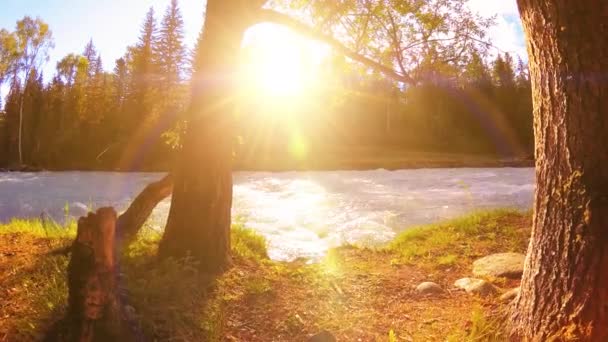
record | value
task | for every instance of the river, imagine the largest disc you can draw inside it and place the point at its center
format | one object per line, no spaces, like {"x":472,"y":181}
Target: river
{"x":301,"y":214}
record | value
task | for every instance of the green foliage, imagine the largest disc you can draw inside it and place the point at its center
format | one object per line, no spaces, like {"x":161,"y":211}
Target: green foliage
{"x":9,"y":54}
{"x":42,"y":293}
{"x":39,"y":228}
{"x":457,"y":95}
{"x":419,"y":37}
{"x":85,"y":103}
{"x":170,"y":50}
{"x":246,"y":243}
{"x":451,"y":243}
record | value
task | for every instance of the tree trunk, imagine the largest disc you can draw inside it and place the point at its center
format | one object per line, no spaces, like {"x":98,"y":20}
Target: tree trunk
{"x":564,"y":291}
{"x":131,"y":221}
{"x":199,"y":218}
{"x":93,"y":312}
{"x":20,"y":139}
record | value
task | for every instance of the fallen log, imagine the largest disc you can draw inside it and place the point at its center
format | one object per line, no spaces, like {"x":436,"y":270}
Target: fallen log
{"x":131,"y":221}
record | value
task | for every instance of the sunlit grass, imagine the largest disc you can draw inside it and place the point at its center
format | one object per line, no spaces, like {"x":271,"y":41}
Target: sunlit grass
{"x":168,"y":296}
{"x":172,"y":299}
{"x":247,"y":243}
{"x":445,"y":243}
{"x":39,"y":228}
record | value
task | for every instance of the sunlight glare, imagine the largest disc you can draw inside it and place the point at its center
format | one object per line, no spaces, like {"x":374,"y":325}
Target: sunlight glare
{"x":298,"y":146}
{"x":278,"y":65}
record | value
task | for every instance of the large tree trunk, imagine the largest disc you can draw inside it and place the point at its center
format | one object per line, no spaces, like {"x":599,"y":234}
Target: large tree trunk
{"x":199,"y":218}
{"x":564,"y":291}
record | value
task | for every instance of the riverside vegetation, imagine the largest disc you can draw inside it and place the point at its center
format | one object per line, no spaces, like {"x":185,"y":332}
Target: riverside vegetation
{"x":354,"y":292}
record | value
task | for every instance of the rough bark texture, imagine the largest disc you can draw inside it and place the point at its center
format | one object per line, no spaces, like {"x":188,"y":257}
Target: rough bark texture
{"x":564,"y":292}
{"x":199,"y":218}
{"x":93,"y":312}
{"x":131,"y":221}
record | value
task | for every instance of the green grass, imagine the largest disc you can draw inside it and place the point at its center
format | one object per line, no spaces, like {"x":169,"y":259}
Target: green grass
{"x":170,"y":297}
{"x":39,"y":228}
{"x":37,"y":295}
{"x":247,"y":243}
{"x":452,"y":242}
{"x":173,"y":300}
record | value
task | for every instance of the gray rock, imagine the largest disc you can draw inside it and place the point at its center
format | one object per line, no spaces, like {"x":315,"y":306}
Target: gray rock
{"x":509,"y":295}
{"x":482,"y":288}
{"x":509,"y":265}
{"x":323,"y":336}
{"x":463,"y":283}
{"x":428,"y":288}
{"x":474,"y":286}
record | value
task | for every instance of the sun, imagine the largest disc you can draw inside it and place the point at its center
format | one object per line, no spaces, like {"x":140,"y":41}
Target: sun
{"x":278,"y":65}
{"x":278,"y":72}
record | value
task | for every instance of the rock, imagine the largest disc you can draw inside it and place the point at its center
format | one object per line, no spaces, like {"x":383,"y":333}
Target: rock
{"x":463,"y":283}
{"x":428,"y":288}
{"x":509,"y":265}
{"x":482,"y":288}
{"x":474,"y":286}
{"x":323,"y":336}
{"x":509,"y":295}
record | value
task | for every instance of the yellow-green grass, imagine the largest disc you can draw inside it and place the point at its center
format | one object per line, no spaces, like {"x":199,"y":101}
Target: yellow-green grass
{"x":456,"y":242}
{"x":173,"y":300}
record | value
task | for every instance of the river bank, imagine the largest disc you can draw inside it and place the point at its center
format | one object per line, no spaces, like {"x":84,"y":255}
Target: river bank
{"x":360,"y":159}
{"x":353,"y":292}
{"x":301,"y":214}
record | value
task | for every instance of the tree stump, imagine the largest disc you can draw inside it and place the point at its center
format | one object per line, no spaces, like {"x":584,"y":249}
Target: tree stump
{"x":94,"y":312}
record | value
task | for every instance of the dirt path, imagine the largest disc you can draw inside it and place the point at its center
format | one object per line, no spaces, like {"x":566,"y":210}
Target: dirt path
{"x":357,"y":296}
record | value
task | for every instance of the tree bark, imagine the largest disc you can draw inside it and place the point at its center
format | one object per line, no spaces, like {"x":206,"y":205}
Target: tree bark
{"x":93,"y":312}
{"x":564,"y":291}
{"x":199,"y":218}
{"x":131,"y":221}
{"x":20,"y":147}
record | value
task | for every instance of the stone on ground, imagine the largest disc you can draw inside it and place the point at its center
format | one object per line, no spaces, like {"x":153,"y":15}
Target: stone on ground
{"x":428,"y":288}
{"x":508,"y":265}
{"x":463,"y":283}
{"x":509,"y":295}
{"x":474,"y":286}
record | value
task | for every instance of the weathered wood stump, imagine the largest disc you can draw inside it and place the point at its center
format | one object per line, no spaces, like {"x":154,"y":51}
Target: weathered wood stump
{"x":94,"y":312}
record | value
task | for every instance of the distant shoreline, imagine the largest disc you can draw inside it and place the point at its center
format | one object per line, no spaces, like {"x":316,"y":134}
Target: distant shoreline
{"x":391,"y":163}
{"x":361,"y":167}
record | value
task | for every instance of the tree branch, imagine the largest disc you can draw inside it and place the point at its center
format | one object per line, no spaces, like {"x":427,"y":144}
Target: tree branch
{"x":266,"y":15}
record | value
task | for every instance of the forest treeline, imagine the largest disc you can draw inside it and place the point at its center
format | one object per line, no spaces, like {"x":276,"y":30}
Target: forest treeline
{"x":130,"y":118}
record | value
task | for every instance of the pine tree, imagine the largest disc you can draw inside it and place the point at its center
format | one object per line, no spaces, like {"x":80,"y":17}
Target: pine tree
{"x":476,"y":72}
{"x":121,"y":82}
{"x":197,"y":54}
{"x":90,"y":53}
{"x":522,"y":77}
{"x":32,"y":115}
{"x":144,"y":71}
{"x":503,"y":73}
{"x":170,"y":50}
